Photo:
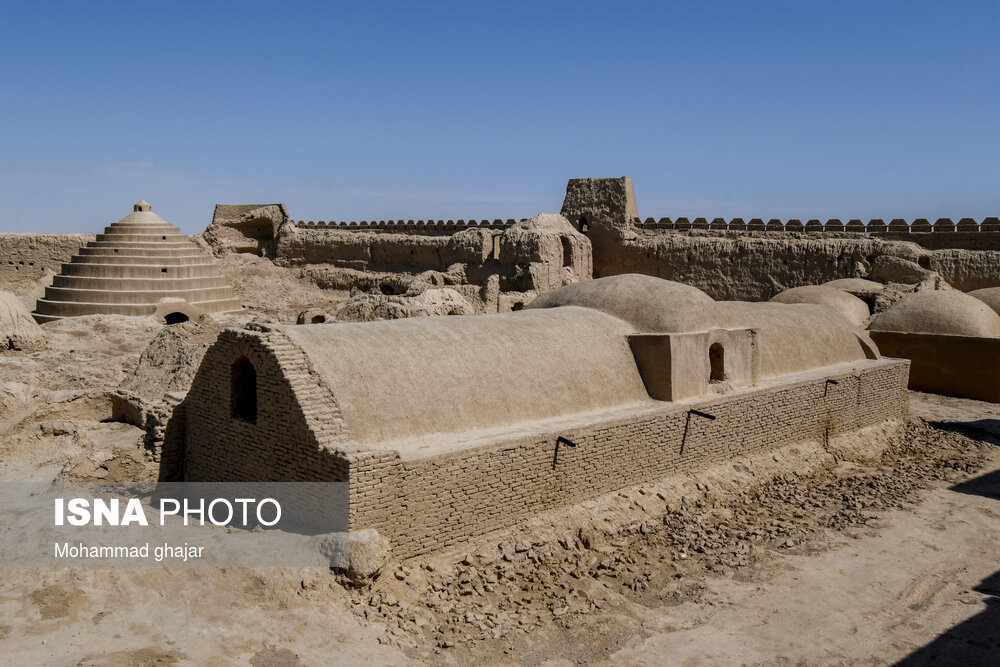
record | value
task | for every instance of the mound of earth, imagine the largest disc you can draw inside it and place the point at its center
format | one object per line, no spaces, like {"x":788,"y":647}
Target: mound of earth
{"x":418,"y":301}
{"x":18,"y":330}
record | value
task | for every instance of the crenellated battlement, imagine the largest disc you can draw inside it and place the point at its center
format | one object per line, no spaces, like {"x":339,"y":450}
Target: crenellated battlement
{"x":897,"y":226}
{"x":425,"y":227}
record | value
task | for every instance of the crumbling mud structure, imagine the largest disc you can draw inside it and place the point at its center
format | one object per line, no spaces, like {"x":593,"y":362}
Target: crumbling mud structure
{"x":449,"y":427}
{"x":18,"y":331}
{"x":245,"y":228}
{"x":140,"y":265}
{"x":495,"y":266}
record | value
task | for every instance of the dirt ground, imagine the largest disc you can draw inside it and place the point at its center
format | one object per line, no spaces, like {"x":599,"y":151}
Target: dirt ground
{"x":871,"y":556}
{"x":878,"y":548}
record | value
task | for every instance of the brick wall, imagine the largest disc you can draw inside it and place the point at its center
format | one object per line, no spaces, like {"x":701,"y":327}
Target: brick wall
{"x":428,"y":504}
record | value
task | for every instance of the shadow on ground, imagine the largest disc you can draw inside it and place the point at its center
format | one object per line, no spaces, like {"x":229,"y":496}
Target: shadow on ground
{"x":987,"y":485}
{"x":973,"y":643}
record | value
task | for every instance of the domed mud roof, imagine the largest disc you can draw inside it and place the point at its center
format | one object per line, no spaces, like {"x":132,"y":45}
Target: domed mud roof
{"x":647,"y":303}
{"x":940,"y":312}
{"x":990,"y":296}
{"x":853,"y":309}
{"x":142,"y":213}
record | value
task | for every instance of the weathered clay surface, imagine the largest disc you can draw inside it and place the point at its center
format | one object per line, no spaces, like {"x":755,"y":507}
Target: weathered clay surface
{"x":888,"y":269}
{"x":28,"y":258}
{"x":503,"y":266}
{"x":850,"y":307}
{"x":18,"y":330}
{"x":584,"y":583}
{"x":169,"y":362}
{"x":940,"y":312}
{"x":605,"y":205}
{"x":990,"y":296}
{"x":418,"y":301}
{"x":864,"y":289}
{"x":245,"y":228}
{"x":313,"y":316}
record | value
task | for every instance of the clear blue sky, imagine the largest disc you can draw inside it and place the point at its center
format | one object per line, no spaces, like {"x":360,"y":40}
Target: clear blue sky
{"x":474,"y":109}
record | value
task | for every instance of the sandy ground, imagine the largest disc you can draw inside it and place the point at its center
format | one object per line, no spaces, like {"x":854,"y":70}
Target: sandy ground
{"x":919,"y":585}
{"x":857,"y":585}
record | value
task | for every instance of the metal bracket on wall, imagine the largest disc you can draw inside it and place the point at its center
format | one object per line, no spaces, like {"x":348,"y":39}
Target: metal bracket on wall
{"x":561,"y":440}
{"x":687,"y":424}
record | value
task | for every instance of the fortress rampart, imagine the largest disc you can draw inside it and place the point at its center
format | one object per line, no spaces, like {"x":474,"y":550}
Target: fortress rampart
{"x":755,"y":259}
{"x":742,"y":259}
{"x":25,"y":258}
{"x":966,"y":234}
{"x":429,"y":227}
{"x":875,"y":226}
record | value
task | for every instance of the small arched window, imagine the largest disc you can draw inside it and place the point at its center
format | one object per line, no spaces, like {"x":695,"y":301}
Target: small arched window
{"x":243,"y":390}
{"x":584,"y":227}
{"x":717,"y":363}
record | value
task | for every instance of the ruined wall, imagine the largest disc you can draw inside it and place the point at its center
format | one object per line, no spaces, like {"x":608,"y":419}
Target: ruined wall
{"x":296,"y":416}
{"x":385,"y":252}
{"x":245,"y":228}
{"x":24,"y":258}
{"x":755,"y":259}
{"x":428,"y":504}
{"x":508,"y":262}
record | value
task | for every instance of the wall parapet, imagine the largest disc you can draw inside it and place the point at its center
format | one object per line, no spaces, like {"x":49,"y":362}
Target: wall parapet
{"x":435,"y":227}
{"x":876,"y":226}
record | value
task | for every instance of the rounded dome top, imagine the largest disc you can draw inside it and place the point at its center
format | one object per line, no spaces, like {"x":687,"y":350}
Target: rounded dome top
{"x":142,"y":212}
{"x":850,"y":307}
{"x":649,"y":304}
{"x":859,"y":287}
{"x":990,"y":296}
{"x":940,"y":312}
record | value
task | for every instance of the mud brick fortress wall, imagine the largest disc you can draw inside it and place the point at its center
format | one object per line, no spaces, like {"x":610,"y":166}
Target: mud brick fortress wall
{"x":738,"y":259}
{"x":755,"y":259}
{"x":493,"y":257}
{"x":25,"y":257}
{"x":755,"y":266}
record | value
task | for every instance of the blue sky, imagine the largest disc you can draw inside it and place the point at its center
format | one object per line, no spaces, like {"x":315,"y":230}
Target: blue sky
{"x":484,"y":110}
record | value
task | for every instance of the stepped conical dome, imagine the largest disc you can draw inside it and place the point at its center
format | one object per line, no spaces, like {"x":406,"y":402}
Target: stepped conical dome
{"x":135,"y":264}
